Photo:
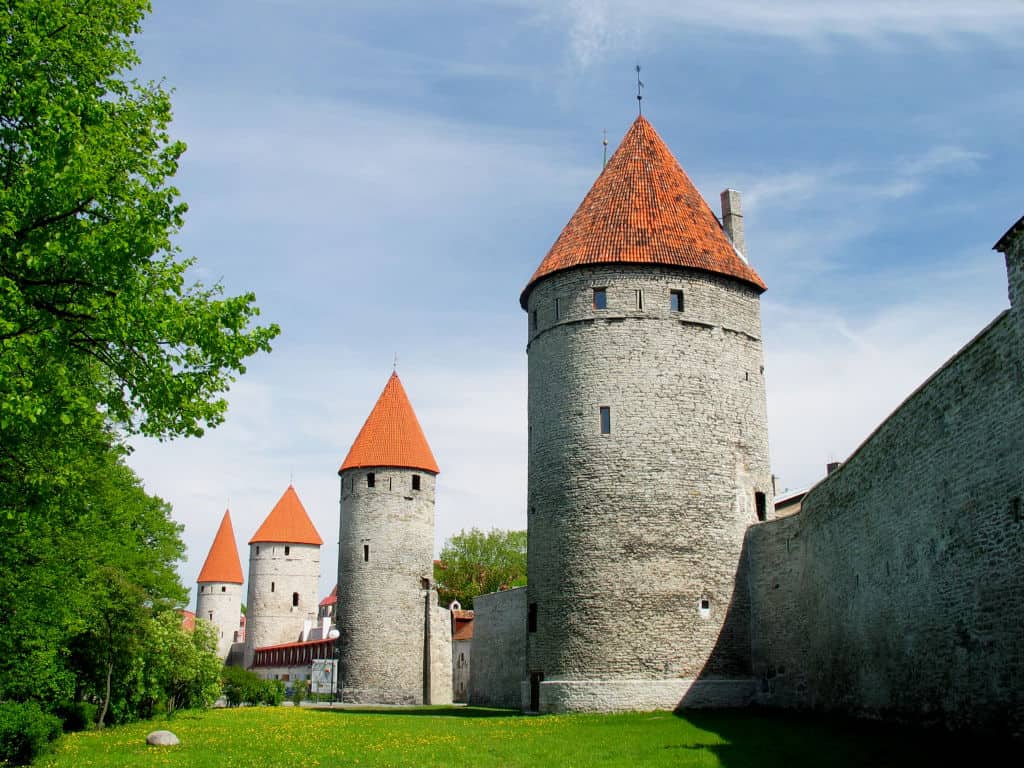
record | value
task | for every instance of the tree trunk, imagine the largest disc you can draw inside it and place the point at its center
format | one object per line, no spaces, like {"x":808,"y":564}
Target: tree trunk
{"x":106,"y":697}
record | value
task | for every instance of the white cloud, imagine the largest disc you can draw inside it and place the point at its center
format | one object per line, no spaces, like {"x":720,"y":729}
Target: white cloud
{"x":597,"y":27}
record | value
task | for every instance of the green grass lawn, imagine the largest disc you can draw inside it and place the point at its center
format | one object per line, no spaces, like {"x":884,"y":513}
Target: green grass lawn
{"x":447,"y":736}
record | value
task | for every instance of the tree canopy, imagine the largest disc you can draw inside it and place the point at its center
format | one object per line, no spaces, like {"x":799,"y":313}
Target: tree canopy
{"x":474,"y":563}
{"x":102,"y":336}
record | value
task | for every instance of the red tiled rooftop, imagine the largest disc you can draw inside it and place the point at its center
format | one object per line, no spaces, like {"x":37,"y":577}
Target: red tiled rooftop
{"x":287,"y":523}
{"x":222,"y":563}
{"x":188,"y":620}
{"x":643,"y":209}
{"x":331,"y":599}
{"x":391,"y":436}
{"x":301,"y":644}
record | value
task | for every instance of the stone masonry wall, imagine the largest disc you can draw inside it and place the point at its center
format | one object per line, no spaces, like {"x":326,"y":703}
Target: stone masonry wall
{"x":629,"y":532}
{"x":898,"y":590}
{"x":498,"y":656}
{"x":386,"y":550}
{"x":442,"y":686}
{"x":274,"y":577}
{"x":220,"y":603}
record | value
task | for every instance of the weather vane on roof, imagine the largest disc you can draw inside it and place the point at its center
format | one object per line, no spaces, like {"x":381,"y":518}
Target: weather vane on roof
{"x":604,"y":141}
{"x":639,"y":91}
{"x":394,"y":366}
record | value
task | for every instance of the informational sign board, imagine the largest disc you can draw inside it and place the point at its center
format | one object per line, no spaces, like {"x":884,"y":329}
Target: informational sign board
{"x":323,"y":676}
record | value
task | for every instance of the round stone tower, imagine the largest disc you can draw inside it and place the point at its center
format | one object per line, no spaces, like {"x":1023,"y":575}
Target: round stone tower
{"x":386,"y":607}
{"x":648,"y":445}
{"x":284,"y":576}
{"x":219,"y":599}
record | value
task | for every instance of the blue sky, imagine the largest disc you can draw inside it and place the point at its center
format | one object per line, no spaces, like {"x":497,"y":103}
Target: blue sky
{"x":386,"y":177}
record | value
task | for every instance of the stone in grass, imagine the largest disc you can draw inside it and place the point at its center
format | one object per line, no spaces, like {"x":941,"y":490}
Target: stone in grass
{"x":162,"y":739}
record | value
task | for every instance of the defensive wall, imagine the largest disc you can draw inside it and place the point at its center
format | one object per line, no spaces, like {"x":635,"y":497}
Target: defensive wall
{"x":898,"y":590}
{"x":498,"y":656}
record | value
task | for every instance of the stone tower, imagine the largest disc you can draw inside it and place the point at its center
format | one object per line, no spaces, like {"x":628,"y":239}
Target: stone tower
{"x":387,"y":613}
{"x":648,"y":445}
{"x":219,"y":600}
{"x":284,"y":576}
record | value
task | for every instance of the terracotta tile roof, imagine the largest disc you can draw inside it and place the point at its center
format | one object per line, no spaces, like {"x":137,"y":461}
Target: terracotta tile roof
{"x":643,"y":209}
{"x":188,"y":620}
{"x":222,"y":564}
{"x":299,"y":644}
{"x":391,"y":436}
{"x":287,"y":523}
{"x":331,"y":599}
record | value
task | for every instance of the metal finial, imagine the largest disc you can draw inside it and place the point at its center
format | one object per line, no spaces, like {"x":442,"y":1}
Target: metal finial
{"x":639,"y":94}
{"x":394,"y":366}
{"x":604,"y":141}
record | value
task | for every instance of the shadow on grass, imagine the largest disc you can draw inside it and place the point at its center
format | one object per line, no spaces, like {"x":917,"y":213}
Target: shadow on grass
{"x":439,"y":711}
{"x":771,"y":739}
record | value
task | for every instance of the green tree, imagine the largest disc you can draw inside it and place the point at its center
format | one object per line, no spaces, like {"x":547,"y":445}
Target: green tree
{"x":95,"y":310}
{"x":102,"y":335}
{"x":474,"y":563}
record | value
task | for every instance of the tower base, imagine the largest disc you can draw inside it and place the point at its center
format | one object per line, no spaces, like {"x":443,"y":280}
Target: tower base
{"x":641,"y":695}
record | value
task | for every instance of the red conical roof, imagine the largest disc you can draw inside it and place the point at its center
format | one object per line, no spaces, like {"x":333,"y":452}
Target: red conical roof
{"x":391,"y":436}
{"x":287,"y":523}
{"x":643,"y":209}
{"x":222,"y":564}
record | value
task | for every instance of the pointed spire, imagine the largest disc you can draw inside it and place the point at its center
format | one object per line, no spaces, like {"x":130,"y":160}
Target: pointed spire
{"x":222,"y":564}
{"x":287,"y":523}
{"x":391,"y":436}
{"x":643,"y":209}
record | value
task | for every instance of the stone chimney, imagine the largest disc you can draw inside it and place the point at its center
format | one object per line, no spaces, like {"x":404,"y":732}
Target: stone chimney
{"x":1011,"y":245}
{"x":732,"y":220}
{"x":832,"y":466}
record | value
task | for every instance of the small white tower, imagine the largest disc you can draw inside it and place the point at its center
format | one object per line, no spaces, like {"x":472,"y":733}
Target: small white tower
{"x":284,"y":575}
{"x":219,"y":599}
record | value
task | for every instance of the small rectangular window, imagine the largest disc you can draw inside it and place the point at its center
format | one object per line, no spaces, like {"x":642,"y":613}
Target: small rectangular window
{"x":531,"y":618}
{"x":675,"y":301}
{"x":257,"y":549}
{"x":533,"y":319}
{"x":223,"y":589}
{"x":606,"y":420}
{"x":371,"y":479}
{"x":761,"y":503}
{"x":366,"y":553}
{"x":600,"y":298}
{"x":271,"y":586}
{"x":287,"y":550}
{"x":639,"y":299}
{"x":705,"y":604}
{"x":295,"y":599}
{"x":558,"y":308}
{"x":415,"y":482}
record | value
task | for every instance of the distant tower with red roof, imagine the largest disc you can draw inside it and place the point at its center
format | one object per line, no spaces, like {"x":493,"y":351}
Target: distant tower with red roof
{"x":386,"y":611}
{"x":219,"y":599}
{"x":648,"y":444}
{"x":284,"y":576}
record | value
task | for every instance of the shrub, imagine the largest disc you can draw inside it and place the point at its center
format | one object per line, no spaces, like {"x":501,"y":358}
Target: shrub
{"x":25,"y":732}
{"x":272,"y":692}
{"x":300,"y":691}
{"x":78,"y":716}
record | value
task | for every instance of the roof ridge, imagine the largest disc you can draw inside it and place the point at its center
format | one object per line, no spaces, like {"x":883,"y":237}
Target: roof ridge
{"x":644,"y":209}
{"x":392,"y":435}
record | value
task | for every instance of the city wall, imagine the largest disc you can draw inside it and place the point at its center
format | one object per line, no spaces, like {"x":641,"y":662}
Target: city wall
{"x":898,"y":590}
{"x":498,"y":656}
